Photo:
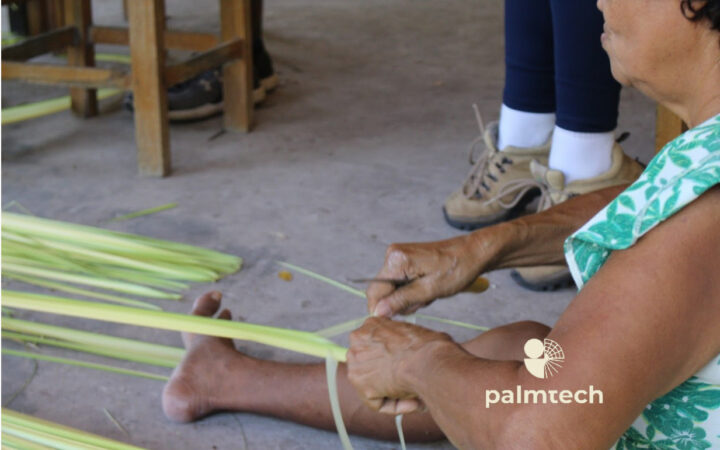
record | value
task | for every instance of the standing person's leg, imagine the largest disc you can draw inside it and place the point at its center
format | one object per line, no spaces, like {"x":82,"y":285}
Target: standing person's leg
{"x":256,"y":16}
{"x":527,"y":116}
{"x":587,"y":94}
{"x":214,"y":376}
{"x":261,"y":59}
{"x":584,"y":156}
{"x":526,"y":123}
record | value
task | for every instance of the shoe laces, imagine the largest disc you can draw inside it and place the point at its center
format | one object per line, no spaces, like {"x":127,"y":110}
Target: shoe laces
{"x":204,"y":79}
{"x":518,"y":188}
{"x":205,"y":83}
{"x":475,"y":182}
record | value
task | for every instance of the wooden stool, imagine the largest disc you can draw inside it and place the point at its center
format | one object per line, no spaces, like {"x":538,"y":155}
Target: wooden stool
{"x":148,"y":77}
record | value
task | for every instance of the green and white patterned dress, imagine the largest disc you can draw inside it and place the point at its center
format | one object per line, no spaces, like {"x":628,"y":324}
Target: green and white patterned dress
{"x":688,"y":417}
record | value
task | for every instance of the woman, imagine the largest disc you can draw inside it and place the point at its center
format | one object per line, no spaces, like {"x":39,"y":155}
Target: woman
{"x":643,"y":329}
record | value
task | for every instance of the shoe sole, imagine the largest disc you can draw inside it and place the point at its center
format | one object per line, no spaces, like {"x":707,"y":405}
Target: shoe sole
{"x":209,"y":110}
{"x":200,"y":113}
{"x":562,"y":282}
{"x":259,"y":95}
{"x":270,"y":83}
{"x":511,"y":214}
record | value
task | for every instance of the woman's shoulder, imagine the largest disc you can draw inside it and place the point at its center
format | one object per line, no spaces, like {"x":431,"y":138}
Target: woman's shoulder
{"x":677,"y":177}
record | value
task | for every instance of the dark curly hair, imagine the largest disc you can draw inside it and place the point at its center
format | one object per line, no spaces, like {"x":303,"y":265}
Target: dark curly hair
{"x":710,"y":11}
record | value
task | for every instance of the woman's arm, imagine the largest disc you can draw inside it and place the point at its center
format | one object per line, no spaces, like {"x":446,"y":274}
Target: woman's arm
{"x":444,"y":268}
{"x":537,"y":239}
{"x":642,"y":325}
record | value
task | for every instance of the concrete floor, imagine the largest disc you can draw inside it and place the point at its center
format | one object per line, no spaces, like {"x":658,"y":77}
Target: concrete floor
{"x":358,"y":147}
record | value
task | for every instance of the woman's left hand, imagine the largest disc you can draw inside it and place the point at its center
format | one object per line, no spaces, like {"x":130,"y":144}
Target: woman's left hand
{"x":385,"y":356}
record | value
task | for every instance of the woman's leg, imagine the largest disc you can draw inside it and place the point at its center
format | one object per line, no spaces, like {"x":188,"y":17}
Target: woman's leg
{"x":264,"y":71}
{"x":213,"y":376}
{"x":256,"y":14}
{"x":587,"y":96}
{"x":527,"y":117}
{"x":583,"y":145}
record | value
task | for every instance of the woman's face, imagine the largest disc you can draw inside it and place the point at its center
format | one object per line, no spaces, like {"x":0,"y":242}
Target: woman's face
{"x":647,"y":41}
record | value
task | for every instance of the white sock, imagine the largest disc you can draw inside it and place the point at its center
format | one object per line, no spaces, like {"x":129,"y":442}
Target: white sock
{"x":524,"y":129}
{"x":581,"y":155}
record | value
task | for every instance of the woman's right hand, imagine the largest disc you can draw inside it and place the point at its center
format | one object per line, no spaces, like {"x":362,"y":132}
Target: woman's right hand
{"x":437,"y":269}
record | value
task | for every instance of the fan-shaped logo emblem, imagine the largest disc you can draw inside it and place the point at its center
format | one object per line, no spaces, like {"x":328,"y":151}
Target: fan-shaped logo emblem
{"x":544,"y":358}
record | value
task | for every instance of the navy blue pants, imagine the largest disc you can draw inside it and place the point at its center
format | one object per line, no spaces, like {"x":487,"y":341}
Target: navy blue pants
{"x":555,"y":63}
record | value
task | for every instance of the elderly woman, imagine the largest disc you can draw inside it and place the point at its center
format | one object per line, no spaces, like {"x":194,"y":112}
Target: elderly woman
{"x":641,"y":340}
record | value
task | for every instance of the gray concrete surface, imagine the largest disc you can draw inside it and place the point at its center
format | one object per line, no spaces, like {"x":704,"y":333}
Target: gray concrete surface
{"x":358,"y":147}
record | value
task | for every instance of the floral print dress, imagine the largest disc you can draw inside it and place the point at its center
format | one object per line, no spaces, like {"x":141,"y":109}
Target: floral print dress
{"x":688,"y":417}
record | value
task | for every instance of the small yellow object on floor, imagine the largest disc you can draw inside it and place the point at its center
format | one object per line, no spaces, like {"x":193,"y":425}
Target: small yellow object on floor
{"x":481,"y":284}
{"x":285,"y":275}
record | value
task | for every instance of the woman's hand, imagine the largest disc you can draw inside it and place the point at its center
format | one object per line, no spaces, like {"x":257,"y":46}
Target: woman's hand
{"x":382,"y":352}
{"x":437,"y":269}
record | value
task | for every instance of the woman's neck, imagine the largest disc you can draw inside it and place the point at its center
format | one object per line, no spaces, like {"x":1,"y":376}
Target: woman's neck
{"x":695,"y":93}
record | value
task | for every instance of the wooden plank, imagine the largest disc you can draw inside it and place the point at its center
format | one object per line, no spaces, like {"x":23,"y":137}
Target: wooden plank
{"x":191,"y":41}
{"x":668,"y":126}
{"x":237,"y":74}
{"x":45,"y":43}
{"x":82,"y":77}
{"x":209,"y":60}
{"x":147,"y":24}
{"x":179,"y":40}
{"x":79,"y":15}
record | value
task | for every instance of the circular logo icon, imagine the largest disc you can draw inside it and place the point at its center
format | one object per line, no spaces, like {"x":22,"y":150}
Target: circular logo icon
{"x":544,"y":358}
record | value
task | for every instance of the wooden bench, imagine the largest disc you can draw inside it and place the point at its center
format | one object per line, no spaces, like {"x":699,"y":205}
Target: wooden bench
{"x":148,"y":76}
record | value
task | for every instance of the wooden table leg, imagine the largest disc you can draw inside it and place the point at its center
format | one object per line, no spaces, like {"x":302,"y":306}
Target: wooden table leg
{"x":147,"y":25}
{"x":668,"y":126}
{"x":237,"y":74}
{"x":78,"y":13}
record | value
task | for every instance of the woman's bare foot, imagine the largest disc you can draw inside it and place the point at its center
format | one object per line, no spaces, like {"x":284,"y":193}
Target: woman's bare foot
{"x":213,"y":376}
{"x":210,"y":370}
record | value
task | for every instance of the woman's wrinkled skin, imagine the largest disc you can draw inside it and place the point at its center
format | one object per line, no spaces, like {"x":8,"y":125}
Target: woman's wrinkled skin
{"x":655,"y":49}
{"x":440,"y":269}
{"x":379,"y":355}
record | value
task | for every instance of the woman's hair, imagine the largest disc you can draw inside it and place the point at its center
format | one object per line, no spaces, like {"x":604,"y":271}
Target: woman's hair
{"x":710,"y":11}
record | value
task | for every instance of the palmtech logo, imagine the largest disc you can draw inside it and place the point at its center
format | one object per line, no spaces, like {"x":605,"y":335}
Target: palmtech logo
{"x":544,"y":358}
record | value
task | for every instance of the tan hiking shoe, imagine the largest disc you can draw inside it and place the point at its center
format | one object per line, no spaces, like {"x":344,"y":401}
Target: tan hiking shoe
{"x":495,"y":189}
{"x":623,"y":170}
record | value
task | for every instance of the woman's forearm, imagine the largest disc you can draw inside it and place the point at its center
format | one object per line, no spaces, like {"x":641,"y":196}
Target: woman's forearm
{"x":444,"y":268}
{"x":537,"y":239}
{"x":453,"y":384}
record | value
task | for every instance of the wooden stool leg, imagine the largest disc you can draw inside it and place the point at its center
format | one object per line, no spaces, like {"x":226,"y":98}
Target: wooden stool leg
{"x":147,"y":50}
{"x":78,"y":13}
{"x":668,"y":126}
{"x":237,"y":74}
